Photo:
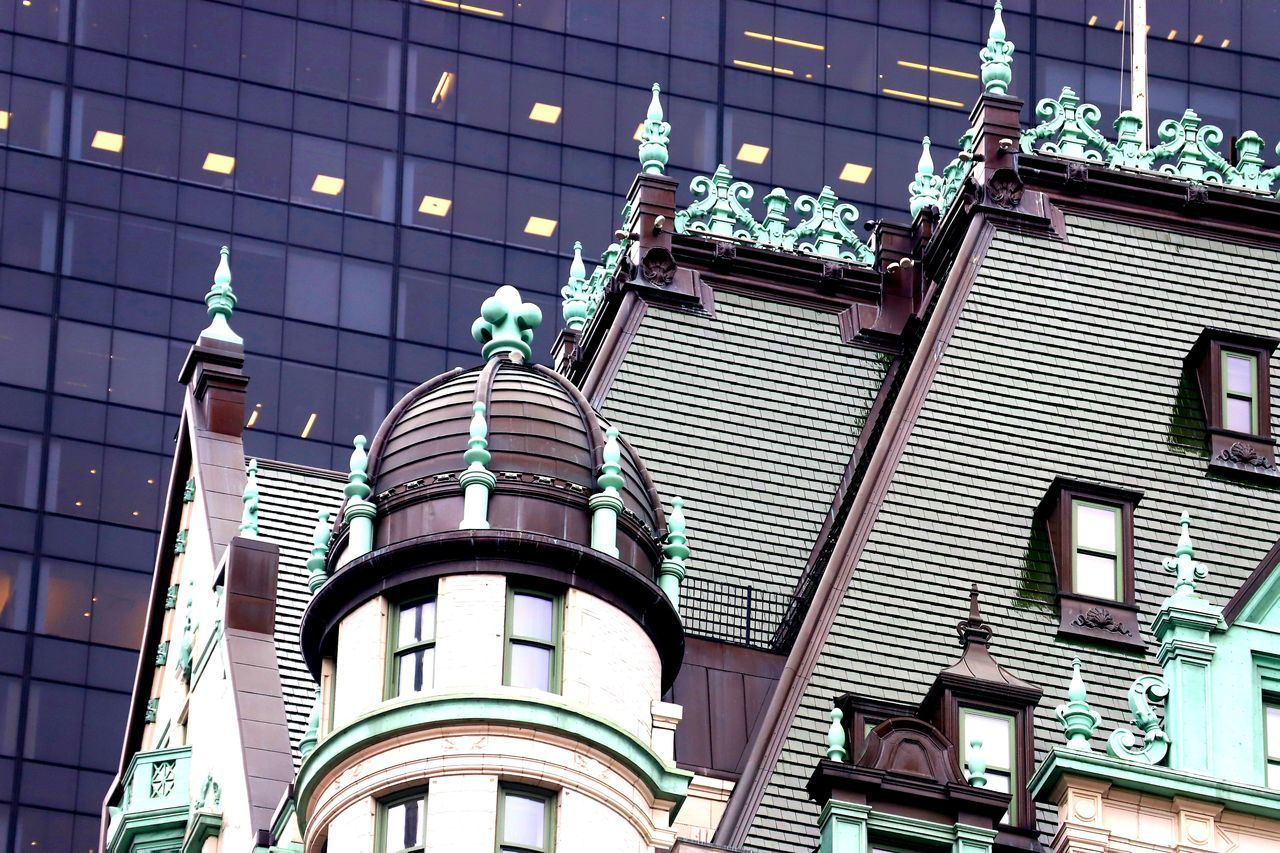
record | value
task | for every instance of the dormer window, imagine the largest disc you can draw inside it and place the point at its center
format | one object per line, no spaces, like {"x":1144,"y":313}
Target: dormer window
{"x":1090,"y":532}
{"x":1233,"y":372}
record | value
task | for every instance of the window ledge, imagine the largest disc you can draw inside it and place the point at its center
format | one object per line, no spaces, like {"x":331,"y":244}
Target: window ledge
{"x":1098,"y":620}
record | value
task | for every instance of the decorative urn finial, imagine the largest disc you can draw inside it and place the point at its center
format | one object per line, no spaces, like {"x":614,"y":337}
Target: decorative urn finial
{"x":1078,"y":720}
{"x":836,"y":739}
{"x":506,"y":324}
{"x":249,"y":517}
{"x":575,"y":292}
{"x":926,"y":190}
{"x":606,"y":504}
{"x":674,"y":552}
{"x":477,"y":481}
{"x":653,"y":138}
{"x":997,"y":57}
{"x":977,"y":763}
{"x":221,"y":300}
{"x":1182,"y":564}
{"x":320,"y":536}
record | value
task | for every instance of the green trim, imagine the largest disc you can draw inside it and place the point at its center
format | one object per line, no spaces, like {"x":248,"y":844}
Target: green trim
{"x":204,"y":825}
{"x":541,"y":712}
{"x":391,"y":678}
{"x":149,"y":832}
{"x":1117,"y":556}
{"x":1011,"y":817}
{"x":556,"y":645}
{"x":1151,"y":779}
{"x":1270,"y":751}
{"x":549,"y":800}
{"x":384,"y":806}
{"x":1252,"y":396}
{"x":206,"y":652}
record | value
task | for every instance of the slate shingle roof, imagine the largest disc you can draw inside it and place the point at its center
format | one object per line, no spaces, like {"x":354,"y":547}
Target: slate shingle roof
{"x":287,"y":516}
{"x":751,"y":417}
{"x":1067,"y":360}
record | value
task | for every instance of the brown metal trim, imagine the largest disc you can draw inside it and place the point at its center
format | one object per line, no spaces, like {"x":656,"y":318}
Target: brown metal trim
{"x":393,"y":417}
{"x":412,"y":565}
{"x":1257,"y":578}
{"x":610,"y":348}
{"x":747,"y":794}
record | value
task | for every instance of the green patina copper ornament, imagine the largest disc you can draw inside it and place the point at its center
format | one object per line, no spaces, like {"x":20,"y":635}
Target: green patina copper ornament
{"x":836,"y":738}
{"x":1079,"y":721}
{"x":251,"y":499}
{"x":221,"y":300}
{"x":506,"y":324}
{"x":926,"y":190}
{"x":320,"y":536}
{"x":574,"y":292}
{"x":1182,"y":565}
{"x":653,"y":138}
{"x":997,"y":57}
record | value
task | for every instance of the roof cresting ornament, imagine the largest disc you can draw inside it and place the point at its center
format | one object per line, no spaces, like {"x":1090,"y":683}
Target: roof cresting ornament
{"x":506,"y":324}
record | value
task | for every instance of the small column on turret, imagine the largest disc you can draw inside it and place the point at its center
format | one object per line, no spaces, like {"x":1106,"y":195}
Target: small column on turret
{"x":674,"y":552}
{"x":359,"y":511}
{"x":477,"y":481}
{"x":606,"y":505}
{"x":316,"y":573}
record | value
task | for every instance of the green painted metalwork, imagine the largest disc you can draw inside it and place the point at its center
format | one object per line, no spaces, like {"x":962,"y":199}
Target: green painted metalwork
{"x":850,"y":827}
{"x":506,"y":324}
{"x":171,"y":597}
{"x":153,"y":704}
{"x":574,"y":293}
{"x":926,"y":190}
{"x":477,"y":481}
{"x":836,"y":740}
{"x":185,"y":650}
{"x":189,"y":491}
{"x":976,"y":763}
{"x":954,"y":173}
{"x":842,"y":827}
{"x":721,"y":211}
{"x":320,"y":536}
{"x":653,"y":138}
{"x":997,"y":57}
{"x":542,"y":712}
{"x":1145,"y":691}
{"x":606,"y":504}
{"x":154,"y":804}
{"x":162,"y":653}
{"x":251,"y":499}
{"x":674,"y":553}
{"x":1182,"y":564}
{"x":180,"y":543}
{"x":359,"y":511}
{"x":1079,"y":721}
{"x":221,"y":301}
{"x":307,"y":745}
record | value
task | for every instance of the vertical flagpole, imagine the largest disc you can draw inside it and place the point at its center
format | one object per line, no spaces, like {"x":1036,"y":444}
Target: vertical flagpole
{"x":1138,"y":75}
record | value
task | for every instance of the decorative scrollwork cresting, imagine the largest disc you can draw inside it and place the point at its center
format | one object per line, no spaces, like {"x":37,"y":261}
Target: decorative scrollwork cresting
{"x":954,"y":173}
{"x":1145,"y":692}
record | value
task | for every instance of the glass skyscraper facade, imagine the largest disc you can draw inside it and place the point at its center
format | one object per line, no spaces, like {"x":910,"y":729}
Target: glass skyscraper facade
{"x":377,"y":166}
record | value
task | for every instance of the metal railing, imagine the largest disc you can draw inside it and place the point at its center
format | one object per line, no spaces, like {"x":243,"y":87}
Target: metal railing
{"x":732,"y":612}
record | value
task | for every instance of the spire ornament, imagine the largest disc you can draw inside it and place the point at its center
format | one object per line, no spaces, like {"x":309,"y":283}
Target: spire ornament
{"x":606,"y":504}
{"x":836,"y":738}
{"x":506,"y":324}
{"x":477,"y":481}
{"x":674,"y":552}
{"x":997,"y":57}
{"x":251,"y":498}
{"x":1079,"y":721}
{"x":575,"y":292}
{"x":320,"y":537}
{"x":359,"y":510}
{"x":1182,"y":564}
{"x":221,"y":300}
{"x":926,"y":190}
{"x":653,"y":138}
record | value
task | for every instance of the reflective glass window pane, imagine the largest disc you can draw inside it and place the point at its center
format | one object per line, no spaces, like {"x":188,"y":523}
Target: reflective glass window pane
{"x":30,"y":237}
{"x":311,"y":287}
{"x":156,"y":30}
{"x":97,"y":128}
{"x":20,"y":455}
{"x":1095,"y":527}
{"x":484,"y":92}
{"x":89,"y":243}
{"x":370,"y":183}
{"x":1095,"y":575}
{"x":145,"y":256}
{"x":432,"y":82}
{"x":260,"y":163}
{"x":1239,"y":414}
{"x":153,"y":133}
{"x":533,"y":617}
{"x":993,"y":731}
{"x":415,"y":671}
{"x":118,"y":605}
{"x":65,"y":599}
{"x":404,"y":826}
{"x":375,"y":71}
{"x":139,"y":371}
{"x":35,"y":116}
{"x":83,"y":365}
{"x":15,"y":585}
{"x":100,"y":24}
{"x":524,"y":820}
{"x":213,"y":37}
{"x":1239,"y":375}
{"x":530,"y":667}
{"x":10,"y":704}
{"x":206,"y":139}
{"x":306,"y":402}
{"x":322,"y":60}
{"x":267,"y":49}
{"x":24,"y":348}
{"x":319,"y":172}
{"x":417,"y":623}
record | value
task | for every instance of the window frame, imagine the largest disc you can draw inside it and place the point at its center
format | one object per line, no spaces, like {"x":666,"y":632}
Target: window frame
{"x":1270,"y":702}
{"x":1232,"y":452}
{"x":1117,"y":557}
{"x":395,"y":652}
{"x":381,"y":842}
{"x":509,"y":638}
{"x":1224,"y":356}
{"x":550,"y":799}
{"x":962,"y":747}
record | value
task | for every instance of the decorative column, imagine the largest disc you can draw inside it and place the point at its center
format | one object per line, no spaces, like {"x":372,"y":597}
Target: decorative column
{"x":976,"y":765}
{"x":1079,"y":721}
{"x":477,"y":481}
{"x":606,"y":505}
{"x":674,"y":552}
{"x":360,"y":510}
{"x":836,"y":739}
{"x":320,"y":536}
{"x":250,"y":498}
{"x":842,"y":827}
{"x":221,"y":301}
{"x":1184,"y":626}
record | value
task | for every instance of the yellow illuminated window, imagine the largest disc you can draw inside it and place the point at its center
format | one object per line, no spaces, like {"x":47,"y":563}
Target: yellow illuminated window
{"x":855,"y":173}
{"x":105,"y":140}
{"x":442,"y":87}
{"x":327,"y":184}
{"x":545,"y":113}
{"x":639,"y":132}
{"x":306,"y":430}
{"x":434,"y":206}
{"x":4,"y":119}
{"x":465,"y":7}
{"x":750,"y":153}
{"x":220,"y":163}
{"x":540,"y":227}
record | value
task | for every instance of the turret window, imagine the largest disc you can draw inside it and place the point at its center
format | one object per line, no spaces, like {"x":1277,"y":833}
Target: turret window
{"x":526,"y":820}
{"x":402,"y":827}
{"x":533,"y":640}
{"x":414,"y":648}
{"x":1271,"y":722}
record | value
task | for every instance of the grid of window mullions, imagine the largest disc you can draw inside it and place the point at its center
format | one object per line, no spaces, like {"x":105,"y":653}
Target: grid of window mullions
{"x":417,"y":654}
{"x":1249,"y":397}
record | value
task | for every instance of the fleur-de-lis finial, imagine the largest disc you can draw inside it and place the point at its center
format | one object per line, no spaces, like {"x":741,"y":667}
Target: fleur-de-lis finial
{"x":1182,"y":564}
{"x":221,"y":300}
{"x":506,"y":324}
{"x":997,"y":57}
{"x":574,"y":292}
{"x":653,"y":138}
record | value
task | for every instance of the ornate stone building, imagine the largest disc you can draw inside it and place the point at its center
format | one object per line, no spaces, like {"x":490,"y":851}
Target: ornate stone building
{"x":497,"y":631}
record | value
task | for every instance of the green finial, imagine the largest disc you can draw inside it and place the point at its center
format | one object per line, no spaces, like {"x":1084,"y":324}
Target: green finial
{"x":926,"y":190}
{"x":653,"y":139}
{"x":319,"y":548}
{"x":611,"y":471}
{"x":1182,"y":564}
{"x":358,"y":475}
{"x":575,"y":292}
{"x":1078,"y":720}
{"x":997,"y":57}
{"x":307,"y":745}
{"x":249,"y":518}
{"x":836,"y":739}
{"x":189,"y":491}
{"x":674,"y":551}
{"x":221,"y":300}
{"x":506,"y":323}
{"x":476,"y":481}
{"x":977,"y":764}
{"x":606,"y":504}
